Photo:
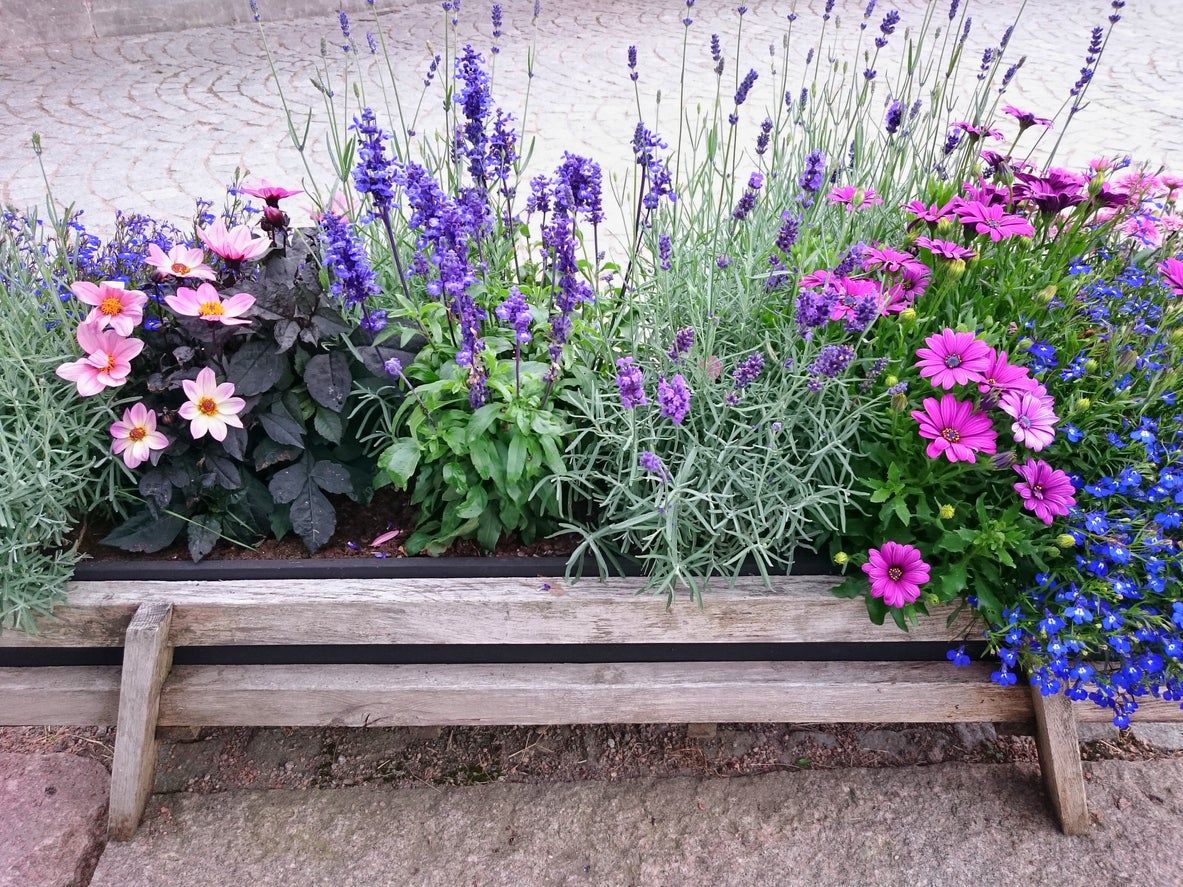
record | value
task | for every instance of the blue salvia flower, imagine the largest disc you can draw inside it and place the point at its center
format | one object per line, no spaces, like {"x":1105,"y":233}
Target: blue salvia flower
{"x":894,"y":117}
{"x":374,"y":172}
{"x":351,"y":277}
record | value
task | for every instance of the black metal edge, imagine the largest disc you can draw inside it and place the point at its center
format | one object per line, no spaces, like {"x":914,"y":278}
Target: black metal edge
{"x":808,"y":564}
{"x":445,"y":654}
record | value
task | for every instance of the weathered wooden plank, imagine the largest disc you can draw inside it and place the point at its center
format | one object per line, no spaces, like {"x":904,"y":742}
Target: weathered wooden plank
{"x":147,"y":658}
{"x":655,"y":692}
{"x":1059,"y":760}
{"x":59,"y":697}
{"x":797,"y":609}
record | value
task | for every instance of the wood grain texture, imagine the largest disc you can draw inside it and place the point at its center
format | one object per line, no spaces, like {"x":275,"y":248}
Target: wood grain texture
{"x":80,"y":696}
{"x":797,"y":609}
{"x":147,"y":659}
{"x":1059,"y":760}
{"x":655,"y":692}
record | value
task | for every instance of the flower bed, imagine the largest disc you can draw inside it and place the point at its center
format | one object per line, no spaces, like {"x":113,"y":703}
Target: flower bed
{"x":873,"y":320}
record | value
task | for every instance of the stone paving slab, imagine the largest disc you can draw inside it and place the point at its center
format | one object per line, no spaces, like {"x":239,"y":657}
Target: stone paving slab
{"x":52,"y":819}
{"x":150,"y":122}
{"x":940,"y":825}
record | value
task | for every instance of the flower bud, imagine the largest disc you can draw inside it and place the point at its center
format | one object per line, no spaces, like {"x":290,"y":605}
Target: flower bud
{"x":1126,"y":359}
{"x":842,"y":558}
{"x":946,"y":226}
{"x":1091,"y":365}
{"x":1066,"y":541}
{"x":908,"y":315}
{"x":1003,"y":461}
{"x":891,"y":381}
{"x":947,"y":512}
{"x":956,"y":267}
{"x":1047,"y":293}
{"x":929,"y":598}
{"x":1083,"y":403}
{"x":899,"y":402}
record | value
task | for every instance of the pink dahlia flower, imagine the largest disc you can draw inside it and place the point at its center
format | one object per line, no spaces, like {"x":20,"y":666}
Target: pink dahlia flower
{"x":107,"y":363}
{"x":955,"y":429}
{"x":268,"y":191}
{"x":211,"y":407}
{"x":135,"y":436}
{"x":1034,"y":415}
{"x":113,"y":306}
{"x":854,"y":198}
{"x":205,"y":303}
{"x":896,"y":573}
{"x":1172,"y":272}
{"x":1002,"y":377}
{"x":180,"y":261}
{"x":237,"y":244}
{"x":1044,"y":490}
{"x":993,"y":221}
{"x":953,"y":358}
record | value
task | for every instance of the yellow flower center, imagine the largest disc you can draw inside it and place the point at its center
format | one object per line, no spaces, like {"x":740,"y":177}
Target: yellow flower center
{"x":207,"y":406}
{"x":138,"y":433}
{"x":110,"y":363}
{"x":181,"y":269}
{"x":895,"y":574}
{"x":110,"y":306}
{"x":210,"y":309}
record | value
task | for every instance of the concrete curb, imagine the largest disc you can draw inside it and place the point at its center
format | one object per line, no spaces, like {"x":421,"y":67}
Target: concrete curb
{"x":34,"y":22}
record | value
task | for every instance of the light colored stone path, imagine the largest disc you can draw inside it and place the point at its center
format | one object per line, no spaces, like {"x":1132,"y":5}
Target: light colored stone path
{"x":52,"y":819}
{"x":941,"y":825}
{"x":150,"y":122}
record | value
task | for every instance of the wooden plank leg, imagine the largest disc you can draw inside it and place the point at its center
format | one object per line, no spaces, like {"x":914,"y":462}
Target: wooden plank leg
{"x":1059,"y":759}
{"x":147,"y":660}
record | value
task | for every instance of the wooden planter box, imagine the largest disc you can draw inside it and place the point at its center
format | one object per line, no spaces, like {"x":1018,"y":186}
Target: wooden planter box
{"x":151,"y":617}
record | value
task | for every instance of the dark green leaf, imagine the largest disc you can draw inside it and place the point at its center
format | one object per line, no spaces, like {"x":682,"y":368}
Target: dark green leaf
{"x":155,"y":486}
{"x":332,"y":477}
{"x":400,"y":460}
{"x":329,"y":322}
{"x":268,"y":454}
{"x":516,"y":463}
{"x":313,"y":517}
{"x":285,"y":485}
{"x":145,"y":532}
{"x":328,"y":379}
{"x":255,"y":368}
{"x":327,"y":424}
{"x":282,"y":427}
{"x":285,"y":334}
{"x":204,"y":532}
{"x":235,"y":443}
{"x":223,"y":472}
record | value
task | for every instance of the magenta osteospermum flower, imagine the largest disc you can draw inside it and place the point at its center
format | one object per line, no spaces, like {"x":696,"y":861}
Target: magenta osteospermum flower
{"x":955,"y":429}
{"x":854,"y":198}
{"x":896,"y":573}
{"x":928,"y":212}
{"x":1002,"y":377}
{"x":1026,"y":118}
{"x":1034,"y":415}
{"x":993,"y":221}
{"x":945,"y":249}
{"x":884,"y":258}
{"x":953,"y":358}
{"x":1172,"y":272}
{"x":1044,"y":490}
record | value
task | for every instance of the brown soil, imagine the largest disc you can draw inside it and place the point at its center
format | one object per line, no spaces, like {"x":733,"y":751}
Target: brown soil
{"x":357,"y":528}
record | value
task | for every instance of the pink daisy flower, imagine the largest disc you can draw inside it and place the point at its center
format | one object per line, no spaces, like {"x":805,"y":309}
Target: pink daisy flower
{"x":993,"y":221}
{"x":854,"y":198}
{"x":953,"y":358}
{"x":945,"y":249}
{"x":180,"y":261}
{"x":135,"y":436}
{"x":107,"y":363}
{"x":884,"y":258}
{"x":928,"y":212}
{"x":1172,"y":272}
{"x":267,"y":191}
{"x":1034,"y":415}
{"x":113,"y":306}
{"x":909,"y":286}
{"x":205,"y":303}
{"x":237,"y":244}
{"x":211,"y":407}
{"x":1027,"y":119}
{"x":955,"y":429}
{"x":1044,"y":490}
{"x":1002,"y":377}
{"x":815,"y":279}
{"x":896,"y":573}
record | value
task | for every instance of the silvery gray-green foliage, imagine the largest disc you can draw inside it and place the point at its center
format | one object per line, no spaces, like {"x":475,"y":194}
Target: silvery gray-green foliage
{"x":53,"y":465}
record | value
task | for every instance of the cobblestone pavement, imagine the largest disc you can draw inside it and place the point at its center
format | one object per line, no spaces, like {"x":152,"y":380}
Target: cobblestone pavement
{"x":150,"y":122}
